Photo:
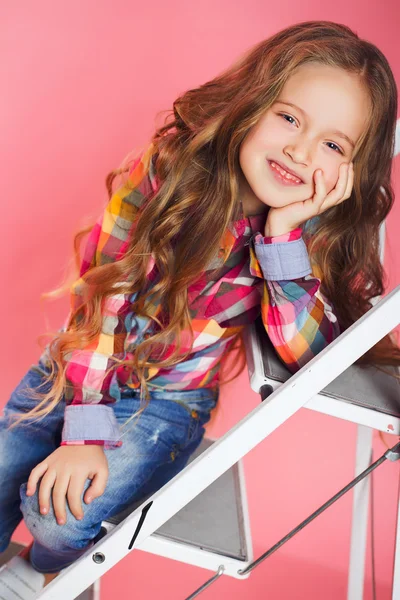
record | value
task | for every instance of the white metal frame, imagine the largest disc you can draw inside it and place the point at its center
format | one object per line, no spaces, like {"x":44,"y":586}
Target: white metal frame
{"x":367,"y":420}
{"x":320,"y":402}
{"x":200,"y":557}
{"x":359,"y":522}
{"x":361,"y":496}
{"x":226,"y":451}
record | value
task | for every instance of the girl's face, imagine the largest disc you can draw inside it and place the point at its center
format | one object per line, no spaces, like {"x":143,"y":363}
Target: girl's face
{"x":315,"y":123}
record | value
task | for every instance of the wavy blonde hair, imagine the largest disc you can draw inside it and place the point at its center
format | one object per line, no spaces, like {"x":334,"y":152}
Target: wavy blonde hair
{"x":196,"y":158}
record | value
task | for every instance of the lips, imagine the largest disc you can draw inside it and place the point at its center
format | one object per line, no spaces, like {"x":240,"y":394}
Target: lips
{"x":290,"y":171}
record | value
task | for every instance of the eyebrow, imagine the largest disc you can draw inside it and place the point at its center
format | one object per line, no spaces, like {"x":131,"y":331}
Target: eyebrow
{"x":336,"y":132}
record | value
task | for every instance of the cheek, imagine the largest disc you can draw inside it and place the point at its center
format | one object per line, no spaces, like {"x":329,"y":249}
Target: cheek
{"x":248,"y":160}
{"x":331,"y":178}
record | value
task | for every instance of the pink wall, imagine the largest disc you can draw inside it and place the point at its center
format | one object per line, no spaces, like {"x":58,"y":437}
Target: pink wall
{"x":82,"y":83}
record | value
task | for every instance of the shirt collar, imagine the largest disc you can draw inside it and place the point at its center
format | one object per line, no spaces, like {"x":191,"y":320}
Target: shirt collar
{"x":255,"y":223}
{"x":244,"y":226}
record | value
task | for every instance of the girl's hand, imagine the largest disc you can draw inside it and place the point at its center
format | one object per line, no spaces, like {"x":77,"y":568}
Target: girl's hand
{"x":67,"y":469}
{"x":286,"y":218}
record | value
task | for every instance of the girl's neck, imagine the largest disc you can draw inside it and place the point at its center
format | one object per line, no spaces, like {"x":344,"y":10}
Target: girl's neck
{"x":249,"y":203}
{"x":253,"y":210}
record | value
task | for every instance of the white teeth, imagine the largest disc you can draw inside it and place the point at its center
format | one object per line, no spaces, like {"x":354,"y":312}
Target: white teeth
{"x":285,"y":173}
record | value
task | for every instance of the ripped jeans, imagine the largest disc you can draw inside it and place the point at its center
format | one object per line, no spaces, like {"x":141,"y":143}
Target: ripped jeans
{"x":153,"y":451}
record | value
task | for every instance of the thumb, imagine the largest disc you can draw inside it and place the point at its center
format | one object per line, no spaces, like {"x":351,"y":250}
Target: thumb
{"x":97,"y":486}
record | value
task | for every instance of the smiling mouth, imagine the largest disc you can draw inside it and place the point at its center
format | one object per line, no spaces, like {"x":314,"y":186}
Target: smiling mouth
{"x":283,"y":176}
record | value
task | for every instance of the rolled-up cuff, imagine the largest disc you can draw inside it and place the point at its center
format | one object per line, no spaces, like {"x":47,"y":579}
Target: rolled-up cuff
{"x":283,"y":260}
{"x":90,"y":424}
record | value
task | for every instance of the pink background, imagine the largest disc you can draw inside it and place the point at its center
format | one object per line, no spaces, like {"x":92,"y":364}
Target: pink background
{"x":81,"y":85}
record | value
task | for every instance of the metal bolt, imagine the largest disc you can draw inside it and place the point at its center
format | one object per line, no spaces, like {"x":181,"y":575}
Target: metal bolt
{"x":98,"y":558}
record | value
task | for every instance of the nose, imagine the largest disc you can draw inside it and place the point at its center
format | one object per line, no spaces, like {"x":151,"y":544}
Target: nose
{"x":300,"y":151}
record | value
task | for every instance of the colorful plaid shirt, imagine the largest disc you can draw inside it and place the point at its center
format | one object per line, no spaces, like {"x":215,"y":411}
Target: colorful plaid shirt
{"x":271,"y":276}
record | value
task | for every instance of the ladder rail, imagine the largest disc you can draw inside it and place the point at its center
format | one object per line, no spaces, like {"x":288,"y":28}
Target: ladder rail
{"x":243,"y":437}
{"x":392,"y":454}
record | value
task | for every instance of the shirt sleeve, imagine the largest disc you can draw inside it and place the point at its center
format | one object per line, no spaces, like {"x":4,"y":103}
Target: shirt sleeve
{"x":89,"y":417}
{"x":298,"y":319}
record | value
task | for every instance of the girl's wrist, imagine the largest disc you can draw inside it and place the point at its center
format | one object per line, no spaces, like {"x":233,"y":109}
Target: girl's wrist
{"x":275,"y":231}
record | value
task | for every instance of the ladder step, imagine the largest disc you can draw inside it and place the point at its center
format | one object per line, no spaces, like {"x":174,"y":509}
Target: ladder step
{"x":212,"y":521}
{"x":14,"y":548}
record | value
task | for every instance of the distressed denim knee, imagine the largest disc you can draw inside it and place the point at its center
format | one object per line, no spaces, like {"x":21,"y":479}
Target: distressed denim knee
{"x":72,"y":536}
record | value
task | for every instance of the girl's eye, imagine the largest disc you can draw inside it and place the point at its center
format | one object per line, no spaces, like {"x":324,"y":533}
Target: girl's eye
{"x":284,"y":115}
{"x":336,"y":148}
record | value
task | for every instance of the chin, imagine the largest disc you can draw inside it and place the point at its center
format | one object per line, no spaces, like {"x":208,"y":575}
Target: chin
{"x":277,"y":202}
{"x":276,"y":199}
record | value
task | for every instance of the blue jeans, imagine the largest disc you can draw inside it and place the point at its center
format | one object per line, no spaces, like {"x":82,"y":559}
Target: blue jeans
{"x":156,"y":446}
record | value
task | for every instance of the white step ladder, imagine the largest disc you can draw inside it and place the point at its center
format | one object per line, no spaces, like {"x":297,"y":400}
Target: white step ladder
{"x":166,"y":522}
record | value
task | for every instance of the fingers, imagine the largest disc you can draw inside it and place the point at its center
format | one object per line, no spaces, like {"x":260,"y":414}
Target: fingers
{"x":64,"y":475}
{"x":344,"y":184}
{"x":65,"y":486}
{"x":320,"y":188}
{"x":75,"y":490}
{"x":59,"y":497}
{"x":350,"y":181}
{"x":34,"y":477}
{"x":97,"y":486}
{"x":44,"y":491}
{"x":343,"y":187}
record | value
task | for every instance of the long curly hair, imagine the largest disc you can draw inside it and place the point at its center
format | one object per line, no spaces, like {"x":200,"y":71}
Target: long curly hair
{"x":196,"y":158}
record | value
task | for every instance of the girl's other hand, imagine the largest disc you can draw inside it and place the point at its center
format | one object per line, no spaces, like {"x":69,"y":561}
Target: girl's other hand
{"x":66,"y":470}
{"x":286,"y":218}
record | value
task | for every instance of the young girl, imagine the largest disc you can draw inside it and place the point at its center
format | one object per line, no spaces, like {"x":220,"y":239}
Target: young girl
{"x":283,"y":159}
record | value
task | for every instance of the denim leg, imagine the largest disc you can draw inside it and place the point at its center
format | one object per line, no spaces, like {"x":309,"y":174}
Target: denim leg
{"x":22,"y":448}
{"x":164,"y":473}
{"x":157,"y":443}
